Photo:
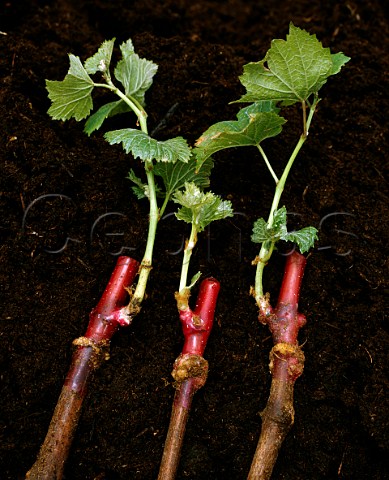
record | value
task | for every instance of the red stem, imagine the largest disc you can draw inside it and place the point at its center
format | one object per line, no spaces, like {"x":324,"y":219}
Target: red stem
{"x":293,"y":276}
{"x":286,"y":365}
{"x":286,"y":322}
{"x":197,"y":325}
{"x":104,"y":321}
{"x":190,"y":372}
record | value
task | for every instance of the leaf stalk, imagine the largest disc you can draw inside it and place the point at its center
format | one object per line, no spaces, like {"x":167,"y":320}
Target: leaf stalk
{"x":267,"y":163}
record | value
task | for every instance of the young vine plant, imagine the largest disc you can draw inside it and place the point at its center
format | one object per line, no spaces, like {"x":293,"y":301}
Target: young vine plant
{"x":292,"y":71}
{"x":170,"y":160}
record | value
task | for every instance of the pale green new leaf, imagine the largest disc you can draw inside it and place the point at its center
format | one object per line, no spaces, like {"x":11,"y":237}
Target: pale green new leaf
{"x":194,"y":280}
{"x":95,"y":121}
{"x":304,"y":238}
{"x":252,"y":127}
{"x":139,"y":188}
{"x":71,"y":97}
{"x":201,"y":208}
{"x":136,"y":74}
{"x":141,"y":145}
{"x":279,"y":222}
{"x":261,"y":233}
{"x":101,"y":59}
{"x":292,"y":70}
{"x":175,"y":175}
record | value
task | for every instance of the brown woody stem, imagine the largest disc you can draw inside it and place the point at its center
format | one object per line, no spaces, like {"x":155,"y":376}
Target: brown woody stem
{"x":190,"y":371}
{"x":286,"y":365}
{"x":92,"y":350}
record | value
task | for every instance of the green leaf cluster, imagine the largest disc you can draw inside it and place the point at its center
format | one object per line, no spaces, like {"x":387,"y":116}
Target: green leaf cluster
{"x":72,"y":97}
{"x":200,"y":208}
{"x":174,"y":176}
{"x":292,"y":71}
{"x":304,"y":238}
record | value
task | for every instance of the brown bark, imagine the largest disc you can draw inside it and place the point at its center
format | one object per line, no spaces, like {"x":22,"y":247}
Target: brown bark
{"x":278,"y":416}
{"x":175,"y":436}
{"x":92,"y":350}
{"x":190,"y":370}
{"x":286,"y":365}
{"x":55,"y":449}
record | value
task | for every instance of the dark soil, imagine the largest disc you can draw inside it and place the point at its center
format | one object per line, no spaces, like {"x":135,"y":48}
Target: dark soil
{"x":338,"y":183}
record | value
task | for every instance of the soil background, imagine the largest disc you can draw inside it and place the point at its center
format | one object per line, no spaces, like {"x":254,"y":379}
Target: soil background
{"x":338,"y":184}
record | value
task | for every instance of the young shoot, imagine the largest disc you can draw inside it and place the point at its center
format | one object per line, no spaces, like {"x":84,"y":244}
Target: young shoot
{"x":190,"y":369}
{"x":199,"y":209}
{"x":292,"y":71}
{"x":171,"y":159}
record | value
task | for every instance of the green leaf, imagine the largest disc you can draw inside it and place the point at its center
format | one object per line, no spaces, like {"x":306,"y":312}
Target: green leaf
{"x":261,"y":233}
{"x":136,"y":74}
{"x":146,"y":148}
{"x":338,"y":60}
{"x":71,"y":97}
{"x":279,"y":222}
{"x":201,"y":208}
{"x":95,"y":121}
{"x":304,"y":238}
{"x":194,"y":280}
{"x":175,"y":175}
{"x":101,"y":59}
{"x":140,"y":188}
{"x":292,"y":70}
{"x":252,"y":127}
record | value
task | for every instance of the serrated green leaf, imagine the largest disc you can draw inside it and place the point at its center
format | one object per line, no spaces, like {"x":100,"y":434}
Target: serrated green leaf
{"x":261,"y":233}
{"x":338,"y":60}
{"x":304,"y":238}
{"x":201,"y":208}
{"x":292,"y":70}
{"x":140,"y":188}
{"x":146,"y":148}
{"x":175,"y":175}
{"x":71,"y":97}
{"x":134,"y":73}
{"x":101,"y":60}
{"x":252,"y":127}
{"x":279,"y":222}
{"x":95,"y":121}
